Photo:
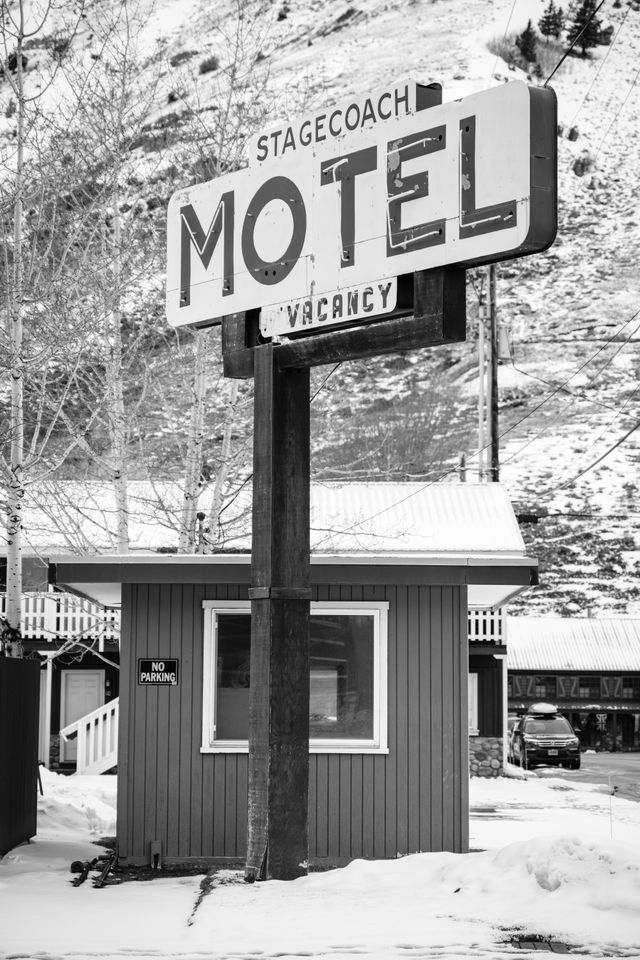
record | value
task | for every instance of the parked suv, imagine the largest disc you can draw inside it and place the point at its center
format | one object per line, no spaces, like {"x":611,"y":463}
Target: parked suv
{"x":543,"y":736}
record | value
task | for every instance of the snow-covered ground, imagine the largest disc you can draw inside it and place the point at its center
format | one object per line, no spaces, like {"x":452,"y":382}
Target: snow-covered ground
{"x":550,"y":857}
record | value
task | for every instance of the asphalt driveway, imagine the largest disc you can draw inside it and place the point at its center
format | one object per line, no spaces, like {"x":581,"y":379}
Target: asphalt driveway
{"x":621,"y":770}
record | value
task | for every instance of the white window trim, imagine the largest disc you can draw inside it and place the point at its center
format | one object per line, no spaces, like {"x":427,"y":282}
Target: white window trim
{"x":473,"y":705}
{"x":379,"y":742}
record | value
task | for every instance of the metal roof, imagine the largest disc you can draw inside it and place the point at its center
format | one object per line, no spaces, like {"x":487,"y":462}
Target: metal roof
{"x":464,"y":525}
{"x":563,"y":643}
{"x":438,"y":518}
{"x":382,"y":518}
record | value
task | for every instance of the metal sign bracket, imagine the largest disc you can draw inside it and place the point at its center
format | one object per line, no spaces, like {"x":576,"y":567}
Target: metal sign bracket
{"x":431,"y":311}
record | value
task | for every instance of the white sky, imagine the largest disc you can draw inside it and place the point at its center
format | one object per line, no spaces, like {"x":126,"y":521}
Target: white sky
{"x":551,"y":857}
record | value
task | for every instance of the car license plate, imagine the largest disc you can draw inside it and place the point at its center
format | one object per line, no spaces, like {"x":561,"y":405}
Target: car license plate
{"x":553,"y":753}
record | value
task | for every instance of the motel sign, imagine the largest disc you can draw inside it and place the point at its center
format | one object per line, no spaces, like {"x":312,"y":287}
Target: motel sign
{"x":332,"y":209}
{"x":369,"y":210}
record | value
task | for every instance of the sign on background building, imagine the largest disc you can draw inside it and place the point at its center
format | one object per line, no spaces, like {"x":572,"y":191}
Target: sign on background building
{"x":333,"y":208}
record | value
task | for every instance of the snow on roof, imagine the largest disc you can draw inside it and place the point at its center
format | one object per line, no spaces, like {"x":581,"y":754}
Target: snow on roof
{"x":383,"y":518}
{"x":563,"y":643}
{"x":412,"y":517}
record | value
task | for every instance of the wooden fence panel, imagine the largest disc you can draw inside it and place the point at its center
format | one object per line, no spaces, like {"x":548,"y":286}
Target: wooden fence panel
{"x":19,"y":713}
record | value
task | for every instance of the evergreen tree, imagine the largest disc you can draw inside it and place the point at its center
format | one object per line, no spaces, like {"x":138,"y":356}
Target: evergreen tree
{"x":527,"y":42}
{"x":585,"y":25}
{"x":558,"y":22}
{"x":547,"y":22}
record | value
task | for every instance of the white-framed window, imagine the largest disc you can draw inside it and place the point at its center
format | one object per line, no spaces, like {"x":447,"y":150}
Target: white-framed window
{"x":348,"y":677}
{"x":473,"y":704}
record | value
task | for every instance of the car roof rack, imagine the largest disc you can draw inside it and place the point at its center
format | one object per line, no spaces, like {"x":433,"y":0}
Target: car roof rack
{"x":542,"y":709}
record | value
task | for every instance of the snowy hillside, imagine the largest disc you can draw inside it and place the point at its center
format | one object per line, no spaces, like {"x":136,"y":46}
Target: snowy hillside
{"x":568,"y":395}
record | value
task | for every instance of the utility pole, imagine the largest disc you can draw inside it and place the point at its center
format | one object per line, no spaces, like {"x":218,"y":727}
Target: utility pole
{"x":488,"y":353}
{"x":494,"y":473}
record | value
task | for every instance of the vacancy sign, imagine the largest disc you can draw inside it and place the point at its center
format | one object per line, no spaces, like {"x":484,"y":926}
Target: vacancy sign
{"x":332,"y":209}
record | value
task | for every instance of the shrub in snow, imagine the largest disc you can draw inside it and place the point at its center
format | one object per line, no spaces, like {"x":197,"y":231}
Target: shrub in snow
{"x":12,"y":62}
{"x":181,"y":57}
{"x":582,"y":164}
{"x":209,"y":65}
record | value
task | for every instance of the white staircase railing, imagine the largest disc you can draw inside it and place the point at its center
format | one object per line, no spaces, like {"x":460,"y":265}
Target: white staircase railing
{"x":97,"y":736}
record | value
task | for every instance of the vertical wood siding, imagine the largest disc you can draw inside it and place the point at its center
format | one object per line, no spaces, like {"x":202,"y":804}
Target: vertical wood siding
{"x":415,"y":798}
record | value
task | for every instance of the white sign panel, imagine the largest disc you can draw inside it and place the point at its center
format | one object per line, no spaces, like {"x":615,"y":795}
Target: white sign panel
{"x":466,"y":182}
{"x":341,"y":120}
{"x":329,"y":309}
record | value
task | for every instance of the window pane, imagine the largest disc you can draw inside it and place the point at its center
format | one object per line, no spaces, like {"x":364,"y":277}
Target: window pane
{"x":589,"y":688}
{"x":232,"y":676}
{"x":341,"y":703}
{"x":554,"y":725}
{"x":341,"y":677}
{"x":545,"y":688}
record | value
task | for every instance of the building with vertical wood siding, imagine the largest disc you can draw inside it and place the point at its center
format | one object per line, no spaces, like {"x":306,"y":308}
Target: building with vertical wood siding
{"x":389,"y":680}
{"x":589,"y":667}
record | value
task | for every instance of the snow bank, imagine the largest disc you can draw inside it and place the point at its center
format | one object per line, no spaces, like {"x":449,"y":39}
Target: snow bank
{"x":77,"y":805}
{"x":546,"y":866}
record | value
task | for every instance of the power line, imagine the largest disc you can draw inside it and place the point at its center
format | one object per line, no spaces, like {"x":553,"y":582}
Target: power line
{"x":573,"y":393}
{"x":595,"y":462}
{"x":563,"y":384}
{"x":618,"y":413}
{"x":588,"y":515}
{"x":495,"y":62}
{"x":249,"y":476}
{"x":575,"y":40}
{"x":330,"y":374}
{"x":617,"y":113}
{"x":548,"y":426}
{"x":600,"y":66}
{"x":454,"y":469}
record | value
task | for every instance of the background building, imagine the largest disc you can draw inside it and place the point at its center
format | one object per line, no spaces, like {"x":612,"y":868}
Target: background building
{"x":589,"y":667}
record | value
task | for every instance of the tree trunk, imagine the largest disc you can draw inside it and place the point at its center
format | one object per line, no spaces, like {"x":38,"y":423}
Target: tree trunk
{"x":16,"y":488}
{"x":117,"y":414}
{"x":225,"y":462}
{"x":193,"y":459}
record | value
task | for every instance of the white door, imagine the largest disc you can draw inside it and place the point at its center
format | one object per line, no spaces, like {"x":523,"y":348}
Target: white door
{"x":81,"y":691}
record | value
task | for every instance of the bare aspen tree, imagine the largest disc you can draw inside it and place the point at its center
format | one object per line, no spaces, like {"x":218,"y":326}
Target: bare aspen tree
{"x":115,"y":390}
{"x":15,"y":489}
{"x":114,"y":109}
{"x":193,"y":461}
{"x":101,"y":371}
{"x":240,"y":90}
{"x":224,"y":463}
{"x":21,"y":181}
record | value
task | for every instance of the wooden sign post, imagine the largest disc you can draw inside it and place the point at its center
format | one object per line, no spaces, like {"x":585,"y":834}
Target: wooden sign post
{"x":347,"y":236}
{"x":280,"y":593}
{"x":280,"y":563}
